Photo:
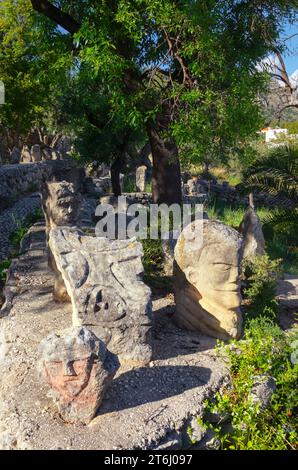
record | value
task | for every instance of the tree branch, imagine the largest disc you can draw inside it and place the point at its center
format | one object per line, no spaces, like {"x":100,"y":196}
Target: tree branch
{"x":55,"y":14}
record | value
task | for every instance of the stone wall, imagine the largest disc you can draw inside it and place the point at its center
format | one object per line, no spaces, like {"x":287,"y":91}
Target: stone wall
{"x":17,"y":180}
{"x":202,"y":189}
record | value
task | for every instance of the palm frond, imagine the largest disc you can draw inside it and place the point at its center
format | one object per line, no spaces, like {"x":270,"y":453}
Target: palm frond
{"x":282,"y":223}
{"x":275,"y":174}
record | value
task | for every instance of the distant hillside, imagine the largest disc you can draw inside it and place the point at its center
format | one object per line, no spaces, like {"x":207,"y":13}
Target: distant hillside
{"x":278,"y":97}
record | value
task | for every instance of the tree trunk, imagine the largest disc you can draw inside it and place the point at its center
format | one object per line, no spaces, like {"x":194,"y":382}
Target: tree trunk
{"x":116,"y":168}
{"x":166,"y":176}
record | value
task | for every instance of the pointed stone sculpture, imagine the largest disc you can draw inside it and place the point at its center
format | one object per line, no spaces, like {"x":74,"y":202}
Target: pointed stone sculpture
{"x":78,"y":368}
{"x":102,"y":279}
{"x":141,"y":173}
{"x":206,"y":279}
{"x":36,"y":153}
{"x":253,"y":238}
{"x":26,"y":155}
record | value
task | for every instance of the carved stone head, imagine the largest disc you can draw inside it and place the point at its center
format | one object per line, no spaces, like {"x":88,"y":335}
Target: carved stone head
{"x":77,"y":366}
{"x":210,"y":264}
{"x":61,"y":203}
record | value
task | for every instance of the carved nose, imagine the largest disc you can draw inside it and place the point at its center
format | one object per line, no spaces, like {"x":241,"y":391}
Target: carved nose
{"x":68,"y":369}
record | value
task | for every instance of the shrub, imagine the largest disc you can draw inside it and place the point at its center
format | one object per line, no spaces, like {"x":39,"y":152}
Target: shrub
{"x":261,"y":275}
{"x":4,"y":266}
{"x":266,"y":350}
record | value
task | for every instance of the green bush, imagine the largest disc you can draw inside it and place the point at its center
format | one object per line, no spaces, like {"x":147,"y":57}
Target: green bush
{"x":261,"y":275}
{"x":4,"y":265}
{"x":265,"y":350}
{"x":22,"y":227}
{"x":153,"y":259}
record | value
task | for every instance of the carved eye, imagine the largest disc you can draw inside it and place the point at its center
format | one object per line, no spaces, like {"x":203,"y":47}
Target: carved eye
{"x":106,"y":306}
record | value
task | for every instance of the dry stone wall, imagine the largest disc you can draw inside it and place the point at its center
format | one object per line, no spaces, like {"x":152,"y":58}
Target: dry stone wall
{"x":17,"y":180}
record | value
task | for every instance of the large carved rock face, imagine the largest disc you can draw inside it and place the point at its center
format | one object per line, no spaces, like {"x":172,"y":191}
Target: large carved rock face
{"x":78,"y":368}
{"x":102,"y":279}
{"x":206,"y":279}
{"x":61,"y":203}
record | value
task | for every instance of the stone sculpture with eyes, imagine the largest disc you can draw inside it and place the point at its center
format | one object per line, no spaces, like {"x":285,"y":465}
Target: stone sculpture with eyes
{"x":206,"y":279}
{"x":103,"y":279}
{"x":61,"y":204}
{"x":78,"y":368}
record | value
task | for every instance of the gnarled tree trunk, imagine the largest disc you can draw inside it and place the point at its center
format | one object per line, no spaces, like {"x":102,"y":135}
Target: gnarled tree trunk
{"x":116,"y":168}
{"x":166,"y":176}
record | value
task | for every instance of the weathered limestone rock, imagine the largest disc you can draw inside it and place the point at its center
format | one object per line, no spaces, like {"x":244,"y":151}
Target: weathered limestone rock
{"x":141,"y":173}
{"x":47,"y":153}
{"x":102,"y":279}
{"x":61,"y":204}
{"x":36,"y":153}
{"x":78,"y":368}
{"x":192,"y":186}
{"x":15,"y":156}
{"x":253,"y":238}
{"x":262,"y":390}
{"x":26,"y":155}
{"x":168,"y":247}
{"x":206,"y":272}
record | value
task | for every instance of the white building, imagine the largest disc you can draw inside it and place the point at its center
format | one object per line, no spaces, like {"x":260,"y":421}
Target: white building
{"x":273,"y":134}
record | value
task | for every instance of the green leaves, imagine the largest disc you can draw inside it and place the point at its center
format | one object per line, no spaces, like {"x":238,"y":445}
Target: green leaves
{"x":265,"y":350}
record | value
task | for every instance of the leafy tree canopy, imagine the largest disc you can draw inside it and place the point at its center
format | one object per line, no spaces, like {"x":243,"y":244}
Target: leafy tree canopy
{"x":185,"y":67}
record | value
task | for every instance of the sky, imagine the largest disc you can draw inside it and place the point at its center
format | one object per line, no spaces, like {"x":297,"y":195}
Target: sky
{"x":291,"y":58}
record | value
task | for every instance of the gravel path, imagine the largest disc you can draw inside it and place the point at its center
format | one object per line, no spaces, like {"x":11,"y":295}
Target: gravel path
{"x":144,"y":408}
{"x":14,"y":217}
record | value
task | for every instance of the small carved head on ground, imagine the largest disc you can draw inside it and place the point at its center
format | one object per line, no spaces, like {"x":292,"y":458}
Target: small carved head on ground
{"x":78,"y":367}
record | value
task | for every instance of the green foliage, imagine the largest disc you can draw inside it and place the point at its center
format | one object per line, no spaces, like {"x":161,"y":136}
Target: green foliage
{"x":289,"y":256}
{"x":32,"y":64}
{"x":187,"y":68}
{"x":4,"y":266}
{"x":291,"y":126}
{"x":22,"y":227}
{"x":275,"y":173}
{"x":276,"y":245}
{"x":17,"y":235}
{"x":228,"y":214}
{"x":261,"y":274}
{"x":129,"y":186}
{"x":153,"y":258}
{"x":265,"y":350}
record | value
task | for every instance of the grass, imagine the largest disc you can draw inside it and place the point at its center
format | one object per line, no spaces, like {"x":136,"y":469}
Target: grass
{"x":4,"y":266}
{"x":219,"y":173}
{"x":22,"y":228}
{"x":153,"y":260}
